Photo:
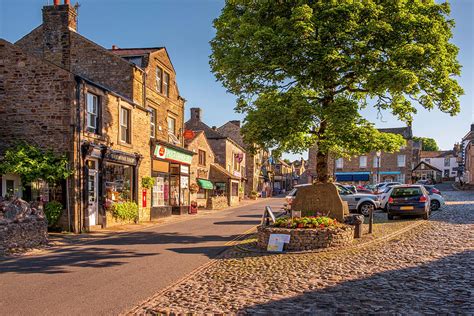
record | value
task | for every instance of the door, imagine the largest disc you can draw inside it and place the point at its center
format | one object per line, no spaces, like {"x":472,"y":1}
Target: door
{"x":93,"y":206}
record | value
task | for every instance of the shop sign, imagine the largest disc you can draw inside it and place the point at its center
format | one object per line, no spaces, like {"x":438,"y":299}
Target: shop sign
{"x":188,"y":134}
{"x":184,"y":169}
{"x":120,"y":157}
{"x":95,"y":153}
{"x":163,"y":152}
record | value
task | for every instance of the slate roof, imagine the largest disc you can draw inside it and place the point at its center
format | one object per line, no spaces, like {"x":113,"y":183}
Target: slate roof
{"x":197,"y":125}
{"x":222,"y":170}
{"x":232,"y":131}
{"x":406,"y":132}
{"x":436,"y":154}
{"x":134,"y":51}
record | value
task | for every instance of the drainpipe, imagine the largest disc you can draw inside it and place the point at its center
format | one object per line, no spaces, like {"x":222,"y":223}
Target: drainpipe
{"x":80,"y":84}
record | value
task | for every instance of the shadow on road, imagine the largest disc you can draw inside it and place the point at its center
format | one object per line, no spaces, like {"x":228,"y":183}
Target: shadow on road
{"x":440,"y":286}
{"x":65,"y":260}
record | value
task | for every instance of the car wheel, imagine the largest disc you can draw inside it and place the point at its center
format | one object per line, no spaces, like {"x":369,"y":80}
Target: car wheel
{"x":426,"y":215}
{"x":365,"y":208}
{"x":390,"y":216}
{"x":434,"y":205}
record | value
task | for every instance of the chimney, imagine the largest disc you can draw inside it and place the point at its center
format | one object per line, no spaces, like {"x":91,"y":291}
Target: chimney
{"x":196,"y":114}
{"x":214,"y":128}
{"x":236,"y":123}
{"x":472,"y":127}
{"x":114,"y":47}
{"x":58,"y":22}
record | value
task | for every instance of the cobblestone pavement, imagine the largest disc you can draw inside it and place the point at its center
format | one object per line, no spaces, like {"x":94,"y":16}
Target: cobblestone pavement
{"x":428,"y":270}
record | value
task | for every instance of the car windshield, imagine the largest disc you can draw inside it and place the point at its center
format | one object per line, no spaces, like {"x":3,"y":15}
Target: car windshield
{"x":343,"y":190}
{"x":406,"y":192}
{"x":387,"y":190}
{"x":292,"y":192}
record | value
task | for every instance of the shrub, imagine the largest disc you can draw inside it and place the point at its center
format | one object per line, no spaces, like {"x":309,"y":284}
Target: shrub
{"x":127,"y":211}
{"x":306,"y":222}
{"x":52,"y":211}
{"x":253,"y":193}
{"x":148,"y":182}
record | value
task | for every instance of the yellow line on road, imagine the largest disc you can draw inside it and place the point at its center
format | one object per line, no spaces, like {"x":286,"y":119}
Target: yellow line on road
{"x":245,"y":233}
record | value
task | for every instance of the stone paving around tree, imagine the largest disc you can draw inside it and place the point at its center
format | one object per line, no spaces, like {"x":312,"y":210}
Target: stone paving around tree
{"x":427,"y":270}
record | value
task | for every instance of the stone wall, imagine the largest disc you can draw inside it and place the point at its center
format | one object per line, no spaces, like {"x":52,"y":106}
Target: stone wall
{"x":36,"y":101}
{"x":217,"y":202}
{"x":29,"y":232}
{"x":308,"y":238}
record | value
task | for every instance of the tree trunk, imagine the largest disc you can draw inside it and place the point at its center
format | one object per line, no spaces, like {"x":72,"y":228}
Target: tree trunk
{"x":322,"y":167}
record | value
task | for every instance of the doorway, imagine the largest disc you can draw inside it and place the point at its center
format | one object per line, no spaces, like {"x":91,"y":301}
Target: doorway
{"x":92,"y":194}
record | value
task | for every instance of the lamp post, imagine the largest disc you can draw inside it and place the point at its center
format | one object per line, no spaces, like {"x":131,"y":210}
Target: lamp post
{"x":378,"y":153}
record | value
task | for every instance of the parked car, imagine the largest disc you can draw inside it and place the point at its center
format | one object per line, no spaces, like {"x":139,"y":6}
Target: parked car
{"x":432,"y":189}
{"x":362,"y":189}
{"x":425,"y":181}
{"x":351,"y":188}
{"x":381,"y":187}
{"x":408,"y":200}
{"x":436,"y":200}
{"x":358,"y":202}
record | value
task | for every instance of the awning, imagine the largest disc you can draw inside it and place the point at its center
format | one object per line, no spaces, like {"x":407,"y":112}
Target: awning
{"x":205,"y":184}
{"x":389,"y":172}
{"x":353,"y":176}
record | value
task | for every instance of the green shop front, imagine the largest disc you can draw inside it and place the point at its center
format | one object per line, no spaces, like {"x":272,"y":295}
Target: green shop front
{"x":170,"y":170}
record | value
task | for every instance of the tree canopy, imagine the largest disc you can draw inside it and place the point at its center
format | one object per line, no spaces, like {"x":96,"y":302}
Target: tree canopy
{"x":303,"y":70}
{"x":33,"y":164}
{"x":427,"y":144}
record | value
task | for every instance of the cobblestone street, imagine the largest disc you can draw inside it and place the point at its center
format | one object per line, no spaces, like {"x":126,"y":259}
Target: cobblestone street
{"x":426,"y":270}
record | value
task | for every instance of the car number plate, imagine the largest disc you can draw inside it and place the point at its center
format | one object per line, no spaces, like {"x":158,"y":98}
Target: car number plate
{"x":406,"y":208}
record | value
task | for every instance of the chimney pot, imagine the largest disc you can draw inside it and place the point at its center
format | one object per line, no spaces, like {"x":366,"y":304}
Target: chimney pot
{"x":67,"y":2}
{"x":114,"y":47}
{"x":214,"y":128}
{"x":56,"y":2}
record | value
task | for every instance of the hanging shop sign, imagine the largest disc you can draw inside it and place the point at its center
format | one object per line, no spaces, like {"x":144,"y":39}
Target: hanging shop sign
{"x":164,"y":152}
{"x":188,"y":134}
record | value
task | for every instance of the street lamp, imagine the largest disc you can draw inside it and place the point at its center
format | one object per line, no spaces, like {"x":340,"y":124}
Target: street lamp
{"x":378,"y":153}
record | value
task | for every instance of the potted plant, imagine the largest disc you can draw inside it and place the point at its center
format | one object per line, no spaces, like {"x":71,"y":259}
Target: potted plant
{"x":253,"y":195}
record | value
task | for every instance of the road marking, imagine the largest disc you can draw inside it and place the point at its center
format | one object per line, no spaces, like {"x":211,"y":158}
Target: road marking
{"x":241,"y":236}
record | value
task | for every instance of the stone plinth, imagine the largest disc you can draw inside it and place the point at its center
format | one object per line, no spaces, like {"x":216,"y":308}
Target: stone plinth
{"x":302,"y":239}
{"x":320,"y":198}
{"x":217,"y":202}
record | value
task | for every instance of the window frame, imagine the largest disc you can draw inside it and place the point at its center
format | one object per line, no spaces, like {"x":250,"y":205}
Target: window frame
{"x":340,"y":163}
{"x":153,"y":115}
{"x":159,"y":79}
{"x":89,"y":127}
{"x":201,"y":157}
{"x":174,"y":125}
{"x":360,"y":161}
{"x":166,"y":83}
{"x":128,"y":127}
{"x":377,"y":161}
{"x":404,"y":161}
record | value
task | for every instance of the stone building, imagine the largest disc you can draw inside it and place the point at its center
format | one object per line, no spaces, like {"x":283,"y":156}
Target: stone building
{"x":200,"y":167}
{"x":283,"y":177}
{"x":64,"y":92}
{"x":254,"y":162}
{"x":228,"y":154}
{"x":466,"y":164}
{"x":444,"y":160}
{"x":369,"y":168}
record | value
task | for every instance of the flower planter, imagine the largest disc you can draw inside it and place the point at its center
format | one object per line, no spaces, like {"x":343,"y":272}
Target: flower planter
{"x":302,"y":239}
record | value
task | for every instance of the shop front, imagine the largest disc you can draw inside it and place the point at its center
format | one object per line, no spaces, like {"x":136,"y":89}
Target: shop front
{"x":171,"y":170}
{"x":110,"y":178}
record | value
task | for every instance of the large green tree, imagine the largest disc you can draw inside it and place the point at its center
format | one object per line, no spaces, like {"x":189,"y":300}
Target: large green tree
{"x":303,"y":70}
{"x":427,"y":144}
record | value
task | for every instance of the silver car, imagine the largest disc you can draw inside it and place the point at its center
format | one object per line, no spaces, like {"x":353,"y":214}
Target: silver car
{"x":358,"y":202}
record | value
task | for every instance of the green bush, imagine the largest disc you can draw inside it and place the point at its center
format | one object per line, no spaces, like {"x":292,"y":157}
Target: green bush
{"x":127,"y":211}
{"x":53,"y":210}
{"x":306,"y":222}
{"x":148,"y":182}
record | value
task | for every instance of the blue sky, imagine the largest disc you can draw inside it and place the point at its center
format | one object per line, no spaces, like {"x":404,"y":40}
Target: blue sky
{"x":185,"y":28}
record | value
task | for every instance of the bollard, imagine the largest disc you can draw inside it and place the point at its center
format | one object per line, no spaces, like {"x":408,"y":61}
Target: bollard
{"x":357,"y":221}
{"x":371,"y":220}
{"x":358,"y":230}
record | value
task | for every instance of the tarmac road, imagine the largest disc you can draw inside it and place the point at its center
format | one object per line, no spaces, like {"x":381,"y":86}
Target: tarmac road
{"x":112,"y":275}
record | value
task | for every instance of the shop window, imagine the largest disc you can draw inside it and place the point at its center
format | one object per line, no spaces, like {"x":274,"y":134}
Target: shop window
{"x":125,"y":125}
{"x":160,"y":191}
{"x":201,"y":194}
{"x":174,"y":190}
{"x":92,"y":115}
{"x":174,"y":168}
{"x":221,"y":189}
{"x":159,"y":75}
{"x":152,"y":122}
{"x":184,"y":193}
{"x":166,"y":84}
{"x":235,"y":189}
{"x":202,"y":157}
{"x":118,"y":182}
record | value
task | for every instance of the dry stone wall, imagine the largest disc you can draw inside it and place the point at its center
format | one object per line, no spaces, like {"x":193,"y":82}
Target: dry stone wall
{"x":308,"y":238}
